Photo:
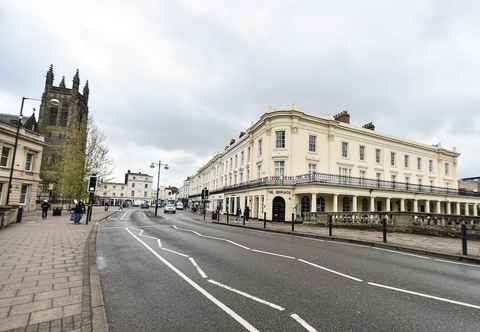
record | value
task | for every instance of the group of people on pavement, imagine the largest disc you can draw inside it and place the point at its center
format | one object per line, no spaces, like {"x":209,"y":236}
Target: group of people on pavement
{"x":76,"y":212}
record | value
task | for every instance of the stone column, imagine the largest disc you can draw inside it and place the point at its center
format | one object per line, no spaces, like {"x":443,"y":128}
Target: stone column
{"x":427,"y":206}
{"x":335,"y":203}
{"x":372,"y":204}
{"x":467,"y":208}
{"x":313,"y":205}
{"x":402,"y":205}
{"x":415,"y":206}
{"x":457,"y":208}
{"x":439,"y":207}
{"x":354,"y":203}
{"x":388,"y":205}
{"x":449,"y":207}
{"x":475,"y":211}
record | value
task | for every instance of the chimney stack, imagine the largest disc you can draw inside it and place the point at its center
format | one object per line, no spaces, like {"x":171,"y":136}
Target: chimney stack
{"x":343,"y":116}
{"x":369,"y":125}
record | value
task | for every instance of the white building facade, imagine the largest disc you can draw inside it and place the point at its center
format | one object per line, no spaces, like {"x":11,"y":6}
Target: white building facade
{"x":289,"y":163}
{"x":137,"y":187}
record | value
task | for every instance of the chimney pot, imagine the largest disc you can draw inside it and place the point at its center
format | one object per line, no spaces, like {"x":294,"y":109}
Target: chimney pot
{"x":343,"y":116}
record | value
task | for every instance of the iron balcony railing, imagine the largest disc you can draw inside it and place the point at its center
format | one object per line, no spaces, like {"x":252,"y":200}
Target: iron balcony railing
{"x":346,"y":181}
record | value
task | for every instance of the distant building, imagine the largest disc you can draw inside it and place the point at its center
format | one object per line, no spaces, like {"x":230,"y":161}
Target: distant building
{"x":470,"y":184}
{"x":61,"y":111}
{"x":26,"y":174}
{"x":137,"y":187}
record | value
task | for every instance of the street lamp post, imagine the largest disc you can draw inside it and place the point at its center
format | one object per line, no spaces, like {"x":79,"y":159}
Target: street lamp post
{"x":158,"y":164}
{"x":17,"y":134}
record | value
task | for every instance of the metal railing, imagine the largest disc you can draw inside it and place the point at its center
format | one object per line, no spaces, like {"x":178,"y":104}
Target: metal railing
{"x":346,"y":181}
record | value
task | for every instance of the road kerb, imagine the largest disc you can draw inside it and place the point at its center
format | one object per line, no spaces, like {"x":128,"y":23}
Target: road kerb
{"x":469,"y":259}
{"x":93,"y":309}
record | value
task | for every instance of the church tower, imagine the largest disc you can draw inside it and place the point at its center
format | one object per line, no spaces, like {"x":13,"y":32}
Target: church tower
{"x":63,"y":111}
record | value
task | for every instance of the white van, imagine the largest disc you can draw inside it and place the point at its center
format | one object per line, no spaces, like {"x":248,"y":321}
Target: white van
{"x":179,"y":206}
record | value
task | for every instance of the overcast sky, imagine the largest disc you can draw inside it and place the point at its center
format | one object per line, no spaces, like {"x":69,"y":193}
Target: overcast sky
{"x":175,"y":80}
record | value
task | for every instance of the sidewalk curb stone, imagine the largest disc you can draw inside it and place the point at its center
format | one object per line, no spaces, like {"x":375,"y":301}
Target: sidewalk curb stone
{"x":94,"y":317}
{"x":409,"y":249}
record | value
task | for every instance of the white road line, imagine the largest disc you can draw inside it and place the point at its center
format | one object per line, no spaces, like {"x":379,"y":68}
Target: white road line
{"x":238,"y":244}
{"x":192,"y":283}
{"x":175,"y":252}
{"x":174,"y":226}
{"x":307,"y":326}
{"x":199,"y":270}
{"x":426,"y":295}
{"x":159,"y":243}
{"x":270,"y":304}
{"x":272,"y":253}
{"x":402,"y":253}
{"x":330,"y":270}
{"x":457,"y":263}
{"x":124,"y":215}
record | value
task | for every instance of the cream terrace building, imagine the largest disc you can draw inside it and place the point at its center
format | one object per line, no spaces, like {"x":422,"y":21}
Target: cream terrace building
{"x":289,"y":163}
{"x":26,"y":175}
{"x":136,"y":188}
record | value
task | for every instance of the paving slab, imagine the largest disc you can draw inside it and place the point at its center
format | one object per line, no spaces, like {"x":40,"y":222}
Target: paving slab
{"x":41,"y":278}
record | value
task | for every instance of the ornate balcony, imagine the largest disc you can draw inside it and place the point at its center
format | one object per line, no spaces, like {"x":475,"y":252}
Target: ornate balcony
{"x":344,"y":181}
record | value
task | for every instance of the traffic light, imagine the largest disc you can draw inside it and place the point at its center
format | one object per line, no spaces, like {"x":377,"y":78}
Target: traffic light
{"x":92,"y":183}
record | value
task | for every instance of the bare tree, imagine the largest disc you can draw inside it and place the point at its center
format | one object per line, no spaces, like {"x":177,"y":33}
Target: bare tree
{"x":97,"y":159}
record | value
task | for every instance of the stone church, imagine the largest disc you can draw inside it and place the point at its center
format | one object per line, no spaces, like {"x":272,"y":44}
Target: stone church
{"x":62,"y":110}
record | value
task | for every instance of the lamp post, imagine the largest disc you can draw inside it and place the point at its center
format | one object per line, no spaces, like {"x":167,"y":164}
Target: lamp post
{"x":17,"y":134}
{"x":158,"y":164}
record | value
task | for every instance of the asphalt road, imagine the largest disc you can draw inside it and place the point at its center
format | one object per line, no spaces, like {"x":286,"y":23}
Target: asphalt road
{"x":173,"y":273}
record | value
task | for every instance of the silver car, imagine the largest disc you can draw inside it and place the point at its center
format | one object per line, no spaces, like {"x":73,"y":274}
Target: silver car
{"x":169,"y":208}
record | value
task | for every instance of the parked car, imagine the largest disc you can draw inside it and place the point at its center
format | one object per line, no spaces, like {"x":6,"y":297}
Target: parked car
{"x":145,"y":205}
{"x":169,"y":208}
{"x":179,"y":206}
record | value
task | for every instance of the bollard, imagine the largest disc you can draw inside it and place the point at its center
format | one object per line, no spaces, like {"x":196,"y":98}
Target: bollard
{"x":464,"y":239}
{"x":243,"y":220}
{"x":293,"y":222}
{"x":385,"y":230}
{"x":264,"y":219}
{"x":330,"y":221}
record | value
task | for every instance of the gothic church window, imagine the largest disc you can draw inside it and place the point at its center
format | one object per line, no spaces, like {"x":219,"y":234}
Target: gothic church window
{"x":52,"y":118}
{"x":64,"y":117}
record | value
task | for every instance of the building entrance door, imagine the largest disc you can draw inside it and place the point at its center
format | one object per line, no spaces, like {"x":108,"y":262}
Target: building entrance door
{"x":278,"y":209}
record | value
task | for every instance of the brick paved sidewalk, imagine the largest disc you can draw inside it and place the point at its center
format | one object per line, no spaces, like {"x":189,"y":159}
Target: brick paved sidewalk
{"x":41,"y":274}
{"x":424,"y":242}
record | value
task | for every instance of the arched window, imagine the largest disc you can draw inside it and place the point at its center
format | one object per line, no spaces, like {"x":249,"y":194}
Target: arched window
{"x":52,"y":115}
{"x":64,"y":116}
{"x":320,"y":204}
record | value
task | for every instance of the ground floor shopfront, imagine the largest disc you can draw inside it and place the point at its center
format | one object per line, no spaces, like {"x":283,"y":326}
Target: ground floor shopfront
{"x":283,"y":203}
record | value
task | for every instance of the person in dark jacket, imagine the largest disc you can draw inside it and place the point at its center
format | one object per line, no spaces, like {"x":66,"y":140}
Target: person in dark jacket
{"x":77,"y":212}
{"x":45,"y":206}
{"x":246,"y":213}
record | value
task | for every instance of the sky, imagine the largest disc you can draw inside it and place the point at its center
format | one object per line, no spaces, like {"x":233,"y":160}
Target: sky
{"x":175,"y":80}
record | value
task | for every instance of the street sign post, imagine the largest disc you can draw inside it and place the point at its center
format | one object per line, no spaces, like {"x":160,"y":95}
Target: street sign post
{"x":92,"y":186}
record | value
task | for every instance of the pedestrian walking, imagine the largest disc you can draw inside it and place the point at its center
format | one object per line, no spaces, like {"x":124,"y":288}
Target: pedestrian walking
{"x":106,"y":206}
{"x":76,"y":212}
{"x":45,"y":206}
{"x":246,"y":213}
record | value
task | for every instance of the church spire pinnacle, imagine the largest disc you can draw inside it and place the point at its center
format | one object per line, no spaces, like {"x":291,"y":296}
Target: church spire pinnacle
{"x":86,"y":90}
{"x":62,"y":83}
{"x":50,"y":76}
{"x":76,"y":81}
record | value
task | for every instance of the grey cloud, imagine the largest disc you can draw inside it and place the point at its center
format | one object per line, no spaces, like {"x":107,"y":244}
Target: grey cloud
{"x":181,"y":78}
